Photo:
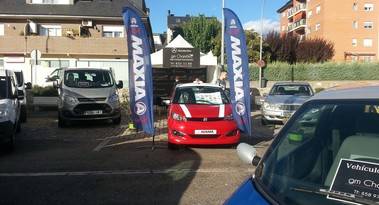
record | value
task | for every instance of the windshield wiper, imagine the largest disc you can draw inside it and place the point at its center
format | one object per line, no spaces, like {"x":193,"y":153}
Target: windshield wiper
{"x":340,"y":195}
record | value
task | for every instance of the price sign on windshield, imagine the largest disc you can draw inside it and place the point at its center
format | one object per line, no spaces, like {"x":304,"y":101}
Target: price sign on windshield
{"x":358,"y":178}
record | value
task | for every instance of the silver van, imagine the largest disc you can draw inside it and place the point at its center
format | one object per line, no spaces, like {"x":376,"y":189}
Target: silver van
{"x":87,"y":94}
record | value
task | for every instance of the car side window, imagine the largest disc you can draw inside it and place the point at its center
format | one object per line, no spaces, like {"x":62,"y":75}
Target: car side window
{"x":13,"y":85}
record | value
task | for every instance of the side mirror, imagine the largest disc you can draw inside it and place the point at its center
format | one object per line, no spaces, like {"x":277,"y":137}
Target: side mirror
{"x":120,"y":84}
{"x":248,"y":154}
{"x":20,"y":94}
{"x":28,"y":86}
{"x":56,"y":84}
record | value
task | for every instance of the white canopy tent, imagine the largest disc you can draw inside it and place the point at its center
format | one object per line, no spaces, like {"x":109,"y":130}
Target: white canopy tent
{"x":206,"y":60}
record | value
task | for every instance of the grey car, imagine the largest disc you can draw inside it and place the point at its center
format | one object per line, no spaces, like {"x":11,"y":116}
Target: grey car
{"x":283,"y":100}
{"x":88,"y":94}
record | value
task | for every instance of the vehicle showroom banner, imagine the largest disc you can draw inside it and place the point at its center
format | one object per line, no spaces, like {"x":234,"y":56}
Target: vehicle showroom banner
{"x":238,"y":70}
{"x":181,"y":58}
{"x":140,"y":72}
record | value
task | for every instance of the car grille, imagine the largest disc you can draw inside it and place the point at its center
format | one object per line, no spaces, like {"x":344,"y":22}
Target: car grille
{"x":211,"y":119}
{"x":91,"y":99}
{"x":290,"y":107}
{"x":80,"y":109}
{"x":204,"y":136}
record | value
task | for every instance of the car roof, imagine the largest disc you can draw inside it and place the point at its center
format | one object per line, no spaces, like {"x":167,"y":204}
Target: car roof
{"x":291,"y":83}
{"x":197,"y":85}
{"x":352,"y":92}
{"x":85,"y":68}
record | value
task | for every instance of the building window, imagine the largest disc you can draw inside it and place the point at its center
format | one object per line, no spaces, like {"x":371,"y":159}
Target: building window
{"x":368,"y":25}
{"x":368,"y":58}
{"x":369,"y":7}
{"x":50,"y":30}
{"x":1,"y":29}
{"x":310,"y":13}
{"x":318,"y":26}
{"x":55,"y":63}
{"x":318,"y":9}
{"x":1,"y":63}
{"x":355,"y":6}
{"x":113,"y":31}
{"x":367,"y":43}
{"x":50,"y":2}
{"x":354,"y":42}
{"x":355,"y":24}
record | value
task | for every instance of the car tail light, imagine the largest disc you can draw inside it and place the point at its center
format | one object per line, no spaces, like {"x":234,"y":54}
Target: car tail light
{"x":177,"y":133}
{"x":232,"y":133}
{"x":229,"y":117}
{"x":178,"y":117}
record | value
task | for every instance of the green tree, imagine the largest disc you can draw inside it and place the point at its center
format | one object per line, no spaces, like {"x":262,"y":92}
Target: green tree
{"x":253,"y":46}
{"x":203,"y":33}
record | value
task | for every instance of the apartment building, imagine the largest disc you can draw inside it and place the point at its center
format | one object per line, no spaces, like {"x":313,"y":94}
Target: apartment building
{"x":75,"y":33}
{"x":352,"y":25}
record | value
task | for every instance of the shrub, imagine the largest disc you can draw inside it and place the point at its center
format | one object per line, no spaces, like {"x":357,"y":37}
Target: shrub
{"x":314,"y":51}
{"x":279,"y":71}
{"x":48,"y":91}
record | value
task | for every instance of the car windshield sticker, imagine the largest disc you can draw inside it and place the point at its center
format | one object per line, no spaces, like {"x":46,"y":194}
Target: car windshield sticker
{"x":208,"y":98}
{"x":356,"y":178}
{"x":372,"y":109}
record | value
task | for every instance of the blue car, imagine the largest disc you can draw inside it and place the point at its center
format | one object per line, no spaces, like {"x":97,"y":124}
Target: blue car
{"x":327,"y":154}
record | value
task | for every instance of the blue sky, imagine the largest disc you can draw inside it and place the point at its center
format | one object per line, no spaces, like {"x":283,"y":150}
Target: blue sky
{"x":249,"y":11}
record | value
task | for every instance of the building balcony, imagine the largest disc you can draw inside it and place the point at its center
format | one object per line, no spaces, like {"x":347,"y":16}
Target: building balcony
{"x":58,"y":46}
{"x":296,"y":9}
{"x":301,"y":24}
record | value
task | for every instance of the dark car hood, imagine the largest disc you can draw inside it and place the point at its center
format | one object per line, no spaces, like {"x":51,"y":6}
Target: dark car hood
{"x":286,"y":99}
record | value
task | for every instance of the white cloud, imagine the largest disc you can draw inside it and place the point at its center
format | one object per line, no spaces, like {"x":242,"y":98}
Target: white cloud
{"x":268,"y":25}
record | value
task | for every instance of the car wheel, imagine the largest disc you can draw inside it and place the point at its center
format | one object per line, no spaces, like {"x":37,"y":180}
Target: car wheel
{"x":9,"y":146}
{"x":61,"y":122}
{"x":18,"y":128}
{"x":23,"y":114}
{"x":116,"y":121}
{"x":172,"y":146}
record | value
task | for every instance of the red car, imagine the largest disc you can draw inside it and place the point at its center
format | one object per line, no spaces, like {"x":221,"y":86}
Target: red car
{"x":201,"y":114}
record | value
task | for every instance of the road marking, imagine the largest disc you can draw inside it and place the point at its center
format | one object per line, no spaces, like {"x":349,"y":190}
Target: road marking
{"x":103,"y":144}
{"x":125,"y":172}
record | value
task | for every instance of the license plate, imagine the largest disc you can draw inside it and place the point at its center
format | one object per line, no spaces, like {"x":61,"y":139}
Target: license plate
{"x":93,"y":112}
{"x":205,"y":132}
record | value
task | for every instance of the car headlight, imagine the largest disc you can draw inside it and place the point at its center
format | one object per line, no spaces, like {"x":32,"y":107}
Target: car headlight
{"x":113,"y":98}
{"x":3,"y":113}
{"x":229,"y":117}
{"x":70,"y":100}
{"x":178,"y":117}
{"x":269,"y":106}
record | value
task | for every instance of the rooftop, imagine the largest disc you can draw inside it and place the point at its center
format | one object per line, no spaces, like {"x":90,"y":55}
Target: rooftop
{"x":94,"y":8}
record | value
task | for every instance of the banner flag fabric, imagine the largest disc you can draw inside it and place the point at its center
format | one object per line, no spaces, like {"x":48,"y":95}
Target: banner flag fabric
{"x":238,"y":70}
{"x":140,"y":72}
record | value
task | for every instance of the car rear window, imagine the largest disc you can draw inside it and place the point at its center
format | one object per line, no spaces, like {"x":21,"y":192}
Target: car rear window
{"x":200,"y":95}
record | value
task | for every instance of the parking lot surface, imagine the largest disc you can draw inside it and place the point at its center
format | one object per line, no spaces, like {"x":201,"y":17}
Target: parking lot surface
{"x":99,"y":163}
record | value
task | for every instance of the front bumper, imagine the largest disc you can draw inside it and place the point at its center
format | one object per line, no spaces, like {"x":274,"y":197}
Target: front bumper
{"x":6,"y":130}
{"x":78,"y":112}
{"x":277,"y":115}
{"x":227,"y":133}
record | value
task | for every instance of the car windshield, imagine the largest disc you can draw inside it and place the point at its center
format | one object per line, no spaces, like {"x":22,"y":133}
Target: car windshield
{"x":88,"y":78}
{"x":305,"y":158}
{"x":202,"y":95}
{"x":303,"y":90}
{"x":3,"y":87}
{"x":20,"y":79}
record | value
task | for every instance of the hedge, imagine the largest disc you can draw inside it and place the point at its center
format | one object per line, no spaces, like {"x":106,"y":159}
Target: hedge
{"x":318,"y":72}
{"x":48,"y":91}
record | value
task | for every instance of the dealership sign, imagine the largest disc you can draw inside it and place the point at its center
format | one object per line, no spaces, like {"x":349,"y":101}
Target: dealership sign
{"x":181,"y":57}
{"x":356,"y":178}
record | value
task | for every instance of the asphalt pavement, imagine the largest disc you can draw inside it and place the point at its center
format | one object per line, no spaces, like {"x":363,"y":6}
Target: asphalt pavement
{"x":99,"y":163}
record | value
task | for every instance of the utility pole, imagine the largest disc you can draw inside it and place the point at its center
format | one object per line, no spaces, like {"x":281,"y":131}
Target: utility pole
{"x":222,"y":35}
{"x":261,"y":45}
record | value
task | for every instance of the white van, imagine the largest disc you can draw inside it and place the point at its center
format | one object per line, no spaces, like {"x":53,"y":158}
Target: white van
{"x":10,"y":108}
